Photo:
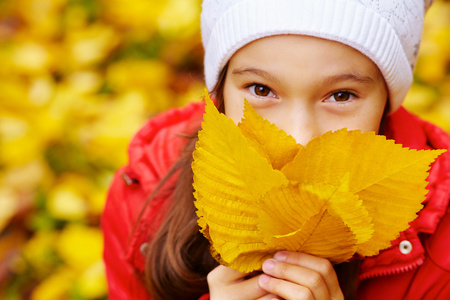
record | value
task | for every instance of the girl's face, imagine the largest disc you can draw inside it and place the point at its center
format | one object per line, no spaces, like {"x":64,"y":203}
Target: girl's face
{"x":306,"y":86}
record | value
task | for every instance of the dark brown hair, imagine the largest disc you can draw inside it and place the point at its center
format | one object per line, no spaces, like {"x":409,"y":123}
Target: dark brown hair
{"x":178,"y":258}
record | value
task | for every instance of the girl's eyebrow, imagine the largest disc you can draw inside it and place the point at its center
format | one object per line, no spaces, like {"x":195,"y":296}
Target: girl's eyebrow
{"x":348,"y":77}
{"x":261,"y":73}
{"x":327,"y":81}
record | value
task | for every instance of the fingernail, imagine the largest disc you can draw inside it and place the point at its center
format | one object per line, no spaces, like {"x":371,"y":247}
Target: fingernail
{"x":263,"y":280}
{"x":268,"y":265}
{"x":280,"y":256}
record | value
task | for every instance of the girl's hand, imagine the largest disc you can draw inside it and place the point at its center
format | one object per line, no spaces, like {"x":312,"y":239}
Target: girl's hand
{"x":293,"y":275}
{"x":226,"y":283}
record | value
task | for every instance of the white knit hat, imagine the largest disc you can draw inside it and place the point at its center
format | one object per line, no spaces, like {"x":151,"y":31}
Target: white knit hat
{"x":386,"y":31}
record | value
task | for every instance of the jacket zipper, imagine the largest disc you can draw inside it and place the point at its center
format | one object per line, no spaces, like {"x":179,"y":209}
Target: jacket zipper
{"x":392,"y":271}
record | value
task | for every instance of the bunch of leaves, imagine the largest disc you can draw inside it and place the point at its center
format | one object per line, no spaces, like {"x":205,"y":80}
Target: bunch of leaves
{"x":257,"y":191}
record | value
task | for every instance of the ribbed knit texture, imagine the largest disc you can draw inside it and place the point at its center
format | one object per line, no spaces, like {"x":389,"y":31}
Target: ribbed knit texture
{"x":386,"y":31}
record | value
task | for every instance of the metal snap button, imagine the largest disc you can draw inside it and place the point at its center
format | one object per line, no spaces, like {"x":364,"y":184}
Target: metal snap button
{"x":405,"y":247}
{"x":128,"y":180}
{"x":143,"y":249}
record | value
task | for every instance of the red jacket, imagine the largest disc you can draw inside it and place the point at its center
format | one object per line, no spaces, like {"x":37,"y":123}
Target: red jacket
{"x":417,"y":266}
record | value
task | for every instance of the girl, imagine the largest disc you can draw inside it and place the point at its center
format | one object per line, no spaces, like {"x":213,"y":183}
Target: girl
{"x":309,"y":67}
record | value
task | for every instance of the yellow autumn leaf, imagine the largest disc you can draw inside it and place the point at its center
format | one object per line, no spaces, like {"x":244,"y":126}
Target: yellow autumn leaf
{"x":91,"y":284}
{"x":387,"y":177}
{"x":80,"y":246}
{"x":270,"y":142}
{"x":8,"y":206}
{"x":229,"y":175}
{"x":319,"y":219}
{"x":56,"y":286}
{"x":345,"y":192}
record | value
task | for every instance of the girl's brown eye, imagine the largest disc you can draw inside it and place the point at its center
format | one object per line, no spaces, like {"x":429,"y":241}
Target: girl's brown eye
{"x":341,"y":96}
{"x":262,"y":90}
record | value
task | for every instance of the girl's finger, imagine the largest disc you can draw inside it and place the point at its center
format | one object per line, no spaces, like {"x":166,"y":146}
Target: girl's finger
{"x":270,"y":297}
{"x":294,"y":281}
{"x":225,"y":274}
{"x":286,"y":289}
{"x":235,"y":284}
{"x":321,"y":265}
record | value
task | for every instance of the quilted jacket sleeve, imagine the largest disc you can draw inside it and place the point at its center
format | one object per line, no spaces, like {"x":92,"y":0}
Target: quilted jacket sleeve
{"x":117,"y":224}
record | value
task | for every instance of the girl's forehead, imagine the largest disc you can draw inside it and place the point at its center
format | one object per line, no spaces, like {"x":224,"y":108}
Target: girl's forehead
{"x":301,"y":52}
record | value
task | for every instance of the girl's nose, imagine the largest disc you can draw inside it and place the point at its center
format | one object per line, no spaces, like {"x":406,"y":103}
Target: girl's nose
{"x":301,"y":122}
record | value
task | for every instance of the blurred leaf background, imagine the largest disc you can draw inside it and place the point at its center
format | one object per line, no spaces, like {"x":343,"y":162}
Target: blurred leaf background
{"x":77,"y":80}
